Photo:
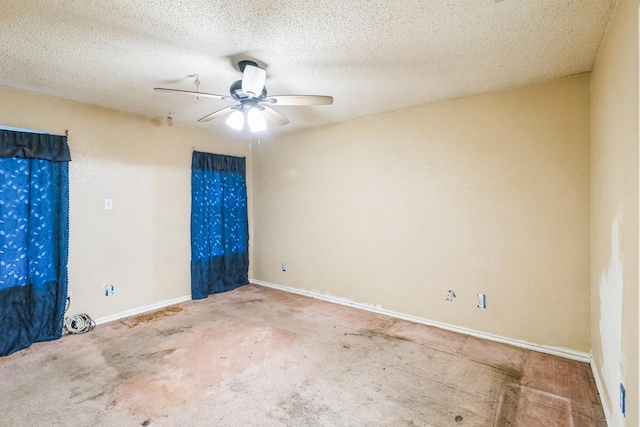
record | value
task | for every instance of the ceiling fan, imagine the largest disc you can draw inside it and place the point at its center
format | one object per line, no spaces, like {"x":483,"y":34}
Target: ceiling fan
{"x":253,"y":105}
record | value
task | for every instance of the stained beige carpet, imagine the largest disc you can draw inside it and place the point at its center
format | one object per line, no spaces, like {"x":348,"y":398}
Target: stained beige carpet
{"x":261,"y":357}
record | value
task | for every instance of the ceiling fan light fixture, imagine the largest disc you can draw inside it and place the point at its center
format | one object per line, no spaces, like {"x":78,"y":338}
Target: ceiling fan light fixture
{"x":256,"y":120}
{"x":236,"y":120}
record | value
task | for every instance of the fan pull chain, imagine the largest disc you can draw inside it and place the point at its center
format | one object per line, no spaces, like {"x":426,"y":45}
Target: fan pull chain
{"x":197,"y":83}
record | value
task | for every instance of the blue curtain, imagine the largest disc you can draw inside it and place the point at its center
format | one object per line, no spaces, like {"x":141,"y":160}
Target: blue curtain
{"x":34,"y":236}
{"x":219,"y":224}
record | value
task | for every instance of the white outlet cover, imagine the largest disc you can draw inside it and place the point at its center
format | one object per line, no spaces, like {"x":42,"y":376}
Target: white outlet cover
{"x":108,"y":204}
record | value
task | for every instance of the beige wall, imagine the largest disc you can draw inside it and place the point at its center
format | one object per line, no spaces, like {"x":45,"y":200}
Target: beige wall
{"x":142,"y":247}
{"x":614,"y":202}
{"x":484,"y":194}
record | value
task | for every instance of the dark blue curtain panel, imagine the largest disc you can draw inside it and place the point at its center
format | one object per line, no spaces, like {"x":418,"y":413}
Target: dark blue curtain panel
{"x":34,"y":237}
{"x":219,"y":224}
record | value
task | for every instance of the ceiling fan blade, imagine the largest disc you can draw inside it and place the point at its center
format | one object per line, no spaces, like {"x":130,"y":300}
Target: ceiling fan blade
{"x":299,"y":100}
{"x":218,"y":113}
{"x":275,"y":117}
{"x":190,"y":92}
{"x":253,"y":79}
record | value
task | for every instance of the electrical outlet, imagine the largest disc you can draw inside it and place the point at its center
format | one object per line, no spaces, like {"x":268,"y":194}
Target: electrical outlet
{"x":482,"y":301}
{"x":284,"y":266}
{"x":108,"y":204}
{"x":109,"y":290}
{"x":623,"y":400}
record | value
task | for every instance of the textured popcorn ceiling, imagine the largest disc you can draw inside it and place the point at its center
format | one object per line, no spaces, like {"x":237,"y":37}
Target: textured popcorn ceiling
{"x":371,"y":56}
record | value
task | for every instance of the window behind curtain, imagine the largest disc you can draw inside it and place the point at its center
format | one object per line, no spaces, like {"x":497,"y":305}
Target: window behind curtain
{"x":34,"y":213}
{"x":219,"y":224}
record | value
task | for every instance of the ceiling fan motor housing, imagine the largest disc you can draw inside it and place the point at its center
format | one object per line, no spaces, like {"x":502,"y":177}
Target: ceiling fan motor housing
{"x":242,"y":64}
{"x":237,"y":93}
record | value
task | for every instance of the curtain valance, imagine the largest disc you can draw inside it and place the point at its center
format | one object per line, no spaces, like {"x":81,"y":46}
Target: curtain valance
{"x":25,"y":145}
{"x":218,"y":163}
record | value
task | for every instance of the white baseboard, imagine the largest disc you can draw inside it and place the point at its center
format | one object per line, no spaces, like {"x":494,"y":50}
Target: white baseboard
{"x":601,"y":392}
{"x":562,"y":352}
{"x":141,"y":310}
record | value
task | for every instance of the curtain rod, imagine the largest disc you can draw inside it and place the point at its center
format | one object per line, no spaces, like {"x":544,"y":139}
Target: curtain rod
{"x":16,"y":129}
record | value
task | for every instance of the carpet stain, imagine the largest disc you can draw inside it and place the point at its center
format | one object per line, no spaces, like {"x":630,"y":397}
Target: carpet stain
{"x":508,"y":406}
{"x":173,"y":331}
{"x":512,"y":372}
{"x":97,"y":396}
{"x":249,"y":301}
{"x":132,"y":322}
{"x":238,"y":387}
{"x":370,"y":333}
{"x":159,"y":354}
{"x":307,"y":410}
